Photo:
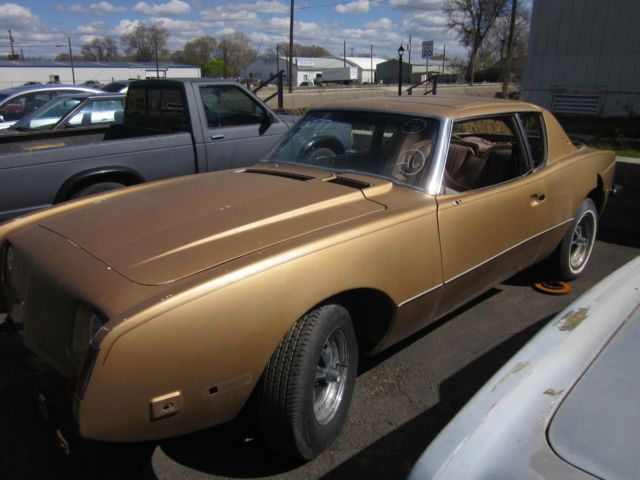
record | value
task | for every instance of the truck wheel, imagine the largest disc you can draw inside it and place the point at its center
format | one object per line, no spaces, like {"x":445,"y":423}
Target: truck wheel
{"x":96,"y":188}
{"x":572,"y":255}
{"x":307,"y":386}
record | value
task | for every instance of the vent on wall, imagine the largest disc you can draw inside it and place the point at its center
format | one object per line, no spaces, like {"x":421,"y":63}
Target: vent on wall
{"x":587,"y":105}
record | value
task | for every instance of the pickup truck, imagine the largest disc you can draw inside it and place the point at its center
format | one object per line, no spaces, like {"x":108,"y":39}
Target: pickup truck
{"x":170,"y":128}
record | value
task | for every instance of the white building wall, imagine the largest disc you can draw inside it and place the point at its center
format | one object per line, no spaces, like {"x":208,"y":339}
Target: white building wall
{"x":12,"y":76}
{"x":584,"y":53}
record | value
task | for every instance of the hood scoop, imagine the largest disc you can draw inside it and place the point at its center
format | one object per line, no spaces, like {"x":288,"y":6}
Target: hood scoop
{"x":349,"y":182}
{"x":280,"y":173}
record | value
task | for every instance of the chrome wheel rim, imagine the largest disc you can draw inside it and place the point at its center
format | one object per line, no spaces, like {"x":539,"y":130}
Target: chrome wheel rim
{"x":582,"y":242}
{"x":331,"y":377}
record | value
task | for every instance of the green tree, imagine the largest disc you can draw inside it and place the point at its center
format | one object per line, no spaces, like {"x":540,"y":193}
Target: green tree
{"x":213,"y":68}
{"x":197,"y":52}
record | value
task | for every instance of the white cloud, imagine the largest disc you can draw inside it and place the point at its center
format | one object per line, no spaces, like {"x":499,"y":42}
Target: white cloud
{"x":100,"y":8}
{"x":173,"y":7}
{"x":125,"y":26}
{"x":359,"y":6}
{"x":221,"y":15}
{"x":421,"y":4}
{"x":271,"y":7}
{"x":382,"y":24}
{"x":11,"y":12}
{"x":91,"y":28}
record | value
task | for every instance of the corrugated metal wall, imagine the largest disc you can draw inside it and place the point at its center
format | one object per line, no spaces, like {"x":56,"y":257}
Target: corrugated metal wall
{"x":581,"y":50}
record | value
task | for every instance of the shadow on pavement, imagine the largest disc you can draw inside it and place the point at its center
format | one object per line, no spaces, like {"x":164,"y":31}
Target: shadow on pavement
{"x":398,"y":449}
{"x":28,"y":448}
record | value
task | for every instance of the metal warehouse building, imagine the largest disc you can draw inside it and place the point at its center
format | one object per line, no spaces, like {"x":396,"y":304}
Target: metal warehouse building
{"x":584,"y":57}
{"x":307,"y":69}
{"x":14,"y":73}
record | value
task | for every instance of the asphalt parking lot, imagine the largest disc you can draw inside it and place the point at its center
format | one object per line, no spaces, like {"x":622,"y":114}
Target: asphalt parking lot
{"x":403,"y":398}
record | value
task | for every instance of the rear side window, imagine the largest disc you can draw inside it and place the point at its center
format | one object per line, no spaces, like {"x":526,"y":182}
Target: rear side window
{"x":534,"y":131}
{"x":157,"y":105}
{"x":226,"y":106}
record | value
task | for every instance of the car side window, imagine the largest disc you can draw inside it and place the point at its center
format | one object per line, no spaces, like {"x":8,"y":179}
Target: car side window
{"x":99,"y":112}
{"x":533,"y":126}
{"x":24,"y":104}
{"x":227,"y":105}
{"x":483,"y":152}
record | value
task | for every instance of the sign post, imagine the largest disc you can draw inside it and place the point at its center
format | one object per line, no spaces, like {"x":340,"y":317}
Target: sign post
{"x":427,"y":52}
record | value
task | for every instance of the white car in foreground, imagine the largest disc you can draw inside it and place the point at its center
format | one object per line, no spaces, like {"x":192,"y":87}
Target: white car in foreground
{"x":566,"y":406}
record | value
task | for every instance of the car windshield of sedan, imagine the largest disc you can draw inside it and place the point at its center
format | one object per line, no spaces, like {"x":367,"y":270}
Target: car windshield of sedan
{"x":47,"y":116}
{"x":393,"y":146}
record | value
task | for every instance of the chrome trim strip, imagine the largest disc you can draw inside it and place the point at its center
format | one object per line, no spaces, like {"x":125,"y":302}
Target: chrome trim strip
{"x":440,"y":157}
{"x":505,"y":251}
{"x":420,"y":295}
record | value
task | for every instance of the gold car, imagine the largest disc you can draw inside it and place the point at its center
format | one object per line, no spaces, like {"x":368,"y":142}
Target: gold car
{"x":167,"y":305}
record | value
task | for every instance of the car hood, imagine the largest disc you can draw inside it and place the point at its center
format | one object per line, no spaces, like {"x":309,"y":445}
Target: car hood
{"x":178,"y":228}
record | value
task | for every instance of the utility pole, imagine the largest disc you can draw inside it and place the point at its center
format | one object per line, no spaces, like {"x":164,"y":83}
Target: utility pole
{"x":291,"y":50}
{"x":372,"y":78}
{"x":344,"y":53}
{"x":13,"y":54}
{"x":444,"y":55}
{"x":155,"y":37}
{"x":73,"y":72}
{"x":409,"y":48}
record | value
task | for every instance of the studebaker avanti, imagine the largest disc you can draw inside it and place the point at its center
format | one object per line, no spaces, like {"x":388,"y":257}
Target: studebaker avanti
{"x":166,"y":306}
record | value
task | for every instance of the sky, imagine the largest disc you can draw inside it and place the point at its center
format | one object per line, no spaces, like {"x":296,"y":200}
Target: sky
{"x":40,"y":28}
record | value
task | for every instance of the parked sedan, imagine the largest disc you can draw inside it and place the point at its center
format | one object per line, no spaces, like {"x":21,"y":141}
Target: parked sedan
{"x":166,"y":306}
{"x":565,"y":406}
{"x":17,"y":102}
{"x":70,"y":111}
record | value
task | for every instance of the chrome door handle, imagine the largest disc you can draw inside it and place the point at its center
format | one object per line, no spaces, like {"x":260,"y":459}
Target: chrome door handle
{"x":213,"y":138}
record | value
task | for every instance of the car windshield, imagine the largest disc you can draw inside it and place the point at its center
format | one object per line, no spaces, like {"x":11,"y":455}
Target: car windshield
{"x":47,"y":116}
{"x":393,"y":146}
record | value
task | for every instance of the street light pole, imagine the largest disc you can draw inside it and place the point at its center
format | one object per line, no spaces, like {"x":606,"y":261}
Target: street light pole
{"x":400,"y":53}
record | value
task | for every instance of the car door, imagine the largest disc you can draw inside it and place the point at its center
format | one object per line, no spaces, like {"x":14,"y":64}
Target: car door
{"x":492,"y":212}
{"x":238,"y":130}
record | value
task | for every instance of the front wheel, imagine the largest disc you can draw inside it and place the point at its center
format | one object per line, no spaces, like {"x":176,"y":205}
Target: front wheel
{"x":574,"y":252}
{"x":307,"y":386}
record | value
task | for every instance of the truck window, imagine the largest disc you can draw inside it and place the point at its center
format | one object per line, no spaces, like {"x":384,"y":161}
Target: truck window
{"x":156,"y":105}
{"x":227,"y":105}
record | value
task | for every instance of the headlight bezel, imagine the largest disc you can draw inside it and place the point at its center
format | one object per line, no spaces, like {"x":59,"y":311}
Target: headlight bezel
{"x":87,"y":323}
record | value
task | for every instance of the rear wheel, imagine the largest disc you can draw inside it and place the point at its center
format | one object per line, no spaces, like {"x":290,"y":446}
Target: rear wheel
{"x":574,"y":252}
{"x":307,"y":386}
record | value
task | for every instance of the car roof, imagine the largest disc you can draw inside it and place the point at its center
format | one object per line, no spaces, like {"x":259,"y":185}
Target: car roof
{"x":448,"y":106}
{"x":92,"y":95}
{"x":43,"y":88}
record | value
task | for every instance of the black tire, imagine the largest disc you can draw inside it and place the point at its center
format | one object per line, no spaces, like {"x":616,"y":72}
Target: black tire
{"x":307,"y":386}
{"x":318,"y":154}
{"x":572,"y":255}
{"x":96,"y":188}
